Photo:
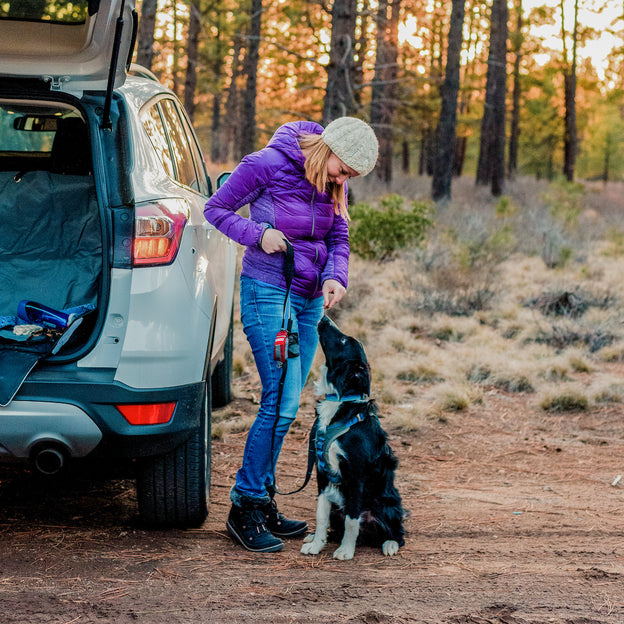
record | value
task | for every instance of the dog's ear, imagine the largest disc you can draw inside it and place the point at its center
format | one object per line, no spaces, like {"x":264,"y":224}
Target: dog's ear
{"x":323,"y":385}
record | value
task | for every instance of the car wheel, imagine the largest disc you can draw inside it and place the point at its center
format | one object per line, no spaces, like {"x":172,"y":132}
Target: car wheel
{"x":222,"y":374}
{"x":173,"y":488}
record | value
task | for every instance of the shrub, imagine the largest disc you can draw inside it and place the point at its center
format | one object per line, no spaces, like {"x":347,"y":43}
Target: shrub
{"x":613,"y":394}
{"x":570,"y":303}
{"x":579,"y":366}
{"x":560,"y":303}
{"x":519,"y":383}
{"x":460,"y":302}
{"x":420,"y":374}
{"x":565,"y":201}
{"x":377,"y":234}
{"x":555,"y":252}
{"x":615,"y":248}
{"x":453,"y":402}
{"x":567,"y":401}
{"x":505,"y":208}
{"x":562,"y":336}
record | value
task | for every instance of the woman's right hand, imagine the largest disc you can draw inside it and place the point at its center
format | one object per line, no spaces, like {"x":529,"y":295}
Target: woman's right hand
{"x":273,"y":241}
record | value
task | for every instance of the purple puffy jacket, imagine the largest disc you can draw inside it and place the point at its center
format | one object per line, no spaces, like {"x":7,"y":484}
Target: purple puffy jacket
{"x":272,"y":181}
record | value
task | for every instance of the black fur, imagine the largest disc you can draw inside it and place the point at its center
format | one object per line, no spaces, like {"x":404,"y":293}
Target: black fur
{"x":366,"y":463}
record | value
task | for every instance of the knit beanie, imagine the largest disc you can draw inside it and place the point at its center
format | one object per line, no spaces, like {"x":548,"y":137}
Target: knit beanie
{"x":354,"y":142}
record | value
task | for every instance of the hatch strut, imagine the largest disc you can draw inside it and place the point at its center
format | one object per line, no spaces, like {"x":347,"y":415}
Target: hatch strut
{"x":112,"y":70}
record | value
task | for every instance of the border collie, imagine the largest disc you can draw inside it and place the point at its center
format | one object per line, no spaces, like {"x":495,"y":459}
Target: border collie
{"x":354,"y":463}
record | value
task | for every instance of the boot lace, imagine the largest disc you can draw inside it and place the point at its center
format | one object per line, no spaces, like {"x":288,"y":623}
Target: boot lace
{"x":274,"y":513}
{"x":257,"y":519}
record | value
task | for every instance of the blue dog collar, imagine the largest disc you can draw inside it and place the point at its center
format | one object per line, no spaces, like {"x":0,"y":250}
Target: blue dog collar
{"x":334,"y":396}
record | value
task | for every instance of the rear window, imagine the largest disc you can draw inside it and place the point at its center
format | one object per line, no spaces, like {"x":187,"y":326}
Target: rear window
{"x":43,"y":137}
{"x":29,"y":129}
{"x":57,"y":11}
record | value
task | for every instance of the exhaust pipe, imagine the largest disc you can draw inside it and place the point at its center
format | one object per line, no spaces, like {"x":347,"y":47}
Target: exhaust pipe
{"x":49,"y":460}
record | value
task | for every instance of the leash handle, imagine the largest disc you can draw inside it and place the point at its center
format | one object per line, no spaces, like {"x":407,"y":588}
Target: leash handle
{"x":289,"y":273}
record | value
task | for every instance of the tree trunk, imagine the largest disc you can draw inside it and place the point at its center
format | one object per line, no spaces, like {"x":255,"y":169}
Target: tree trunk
{"x":175,"y":67}
{"x":218,"y":137}
{"x":405,"y":157}
{"x":514,"y":131}
{"x":248,"y":126}
{"x":360,"y":50}
{"x":607,"y":157}
{"x":233,"y":120}
{"x":425,"y":162}
{"x":445,"y":135}
{"x":491,"y":164}
{"x":192,"y":51}
{"x":570,"y":134}
{"x":339,"y":91}
{"x":147,"y":25}
{"x":383,"y":97}
{"x":459,"y":156}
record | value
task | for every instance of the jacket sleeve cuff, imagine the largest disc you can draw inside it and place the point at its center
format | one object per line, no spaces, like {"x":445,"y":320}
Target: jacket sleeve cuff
{"x":267,"y":226}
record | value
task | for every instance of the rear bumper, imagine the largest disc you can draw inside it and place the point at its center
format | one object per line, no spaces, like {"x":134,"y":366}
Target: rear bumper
{"x":75,"y":408}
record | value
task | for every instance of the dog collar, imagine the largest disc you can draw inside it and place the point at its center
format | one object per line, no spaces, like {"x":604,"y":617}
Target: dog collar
{"x":334,"y":396}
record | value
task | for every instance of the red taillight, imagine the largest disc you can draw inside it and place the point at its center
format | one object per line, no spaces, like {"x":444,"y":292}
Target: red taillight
{"x":147,"y":414}
{"x":158,"y":229}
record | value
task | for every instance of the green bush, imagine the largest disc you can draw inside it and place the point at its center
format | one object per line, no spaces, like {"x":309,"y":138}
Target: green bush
{"x":377,"y":234}
{"x":565,"y":402}
{"x":565,"y":200}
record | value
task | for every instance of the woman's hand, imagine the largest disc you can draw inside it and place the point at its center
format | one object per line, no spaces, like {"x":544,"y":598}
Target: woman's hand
{"x":273,"y":241}
{"x":333,"y":292}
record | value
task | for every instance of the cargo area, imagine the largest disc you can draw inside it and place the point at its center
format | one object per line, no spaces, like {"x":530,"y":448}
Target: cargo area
{"x":51,"y":232}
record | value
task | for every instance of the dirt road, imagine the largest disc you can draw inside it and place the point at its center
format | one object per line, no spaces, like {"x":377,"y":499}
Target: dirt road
{"x":516,"y":517}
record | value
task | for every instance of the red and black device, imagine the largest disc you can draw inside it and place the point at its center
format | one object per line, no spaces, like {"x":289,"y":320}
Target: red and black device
{"x":286,"y":342}
{"x":280,"y":349}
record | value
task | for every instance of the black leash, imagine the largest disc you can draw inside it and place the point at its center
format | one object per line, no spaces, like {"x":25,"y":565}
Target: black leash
{"x":287,"y":345}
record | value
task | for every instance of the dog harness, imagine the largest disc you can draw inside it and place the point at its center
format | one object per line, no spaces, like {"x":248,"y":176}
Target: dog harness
{"x":324,"y":439}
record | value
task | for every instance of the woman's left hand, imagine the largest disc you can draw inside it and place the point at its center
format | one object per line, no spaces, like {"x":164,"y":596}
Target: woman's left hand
{"x":333,"y":292}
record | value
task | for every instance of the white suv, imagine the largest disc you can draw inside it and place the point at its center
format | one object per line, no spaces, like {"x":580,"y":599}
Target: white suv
{"x":115,"y":293}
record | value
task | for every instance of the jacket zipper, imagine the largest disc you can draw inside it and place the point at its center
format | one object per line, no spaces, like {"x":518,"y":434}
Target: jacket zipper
{"x":313,"y":216}
{"x":318,"y":277}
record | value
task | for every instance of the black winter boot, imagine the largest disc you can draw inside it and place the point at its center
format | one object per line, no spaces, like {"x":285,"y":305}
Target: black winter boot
{"x":247,"y":525}
{"x":281,"y":526}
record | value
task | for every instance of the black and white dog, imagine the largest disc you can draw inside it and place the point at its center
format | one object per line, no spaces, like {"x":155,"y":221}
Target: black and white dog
{"x":354,"y":462}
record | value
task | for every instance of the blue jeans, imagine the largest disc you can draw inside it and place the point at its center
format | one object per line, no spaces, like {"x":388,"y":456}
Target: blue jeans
{"x":262,"y":306}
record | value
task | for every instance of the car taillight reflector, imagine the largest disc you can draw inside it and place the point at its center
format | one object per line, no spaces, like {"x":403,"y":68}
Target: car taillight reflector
{"x":158,"y":229}
{"x":147,"y":414}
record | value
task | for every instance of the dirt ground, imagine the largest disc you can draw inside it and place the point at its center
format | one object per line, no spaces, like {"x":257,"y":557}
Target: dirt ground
{"x":515,"y":518}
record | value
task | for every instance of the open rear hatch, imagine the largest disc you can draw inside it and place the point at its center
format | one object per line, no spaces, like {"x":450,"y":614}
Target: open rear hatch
{"x":72,"y":44}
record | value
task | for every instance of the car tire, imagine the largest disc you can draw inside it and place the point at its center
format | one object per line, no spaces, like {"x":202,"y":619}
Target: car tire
{"x":173,"y":488}
{"x":222,"y":375}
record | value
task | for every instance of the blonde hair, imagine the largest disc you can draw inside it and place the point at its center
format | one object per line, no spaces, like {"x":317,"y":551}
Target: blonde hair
{"x":317,"y":155}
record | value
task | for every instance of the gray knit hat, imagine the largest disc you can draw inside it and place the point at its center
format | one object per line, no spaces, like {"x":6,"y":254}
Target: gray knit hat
{"x":354,"y":142}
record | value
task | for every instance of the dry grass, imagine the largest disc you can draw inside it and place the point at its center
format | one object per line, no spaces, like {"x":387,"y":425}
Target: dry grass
{"x":475,"y":312}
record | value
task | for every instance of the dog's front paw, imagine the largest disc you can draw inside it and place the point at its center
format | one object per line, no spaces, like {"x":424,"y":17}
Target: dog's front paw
{"x":313,"y":546}
{"x":390,"y":547}
{"x":309,"y":538}
{"x":344,"y":553}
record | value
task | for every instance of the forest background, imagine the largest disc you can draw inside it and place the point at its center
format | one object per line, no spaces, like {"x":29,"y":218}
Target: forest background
{"x":491,"y":89}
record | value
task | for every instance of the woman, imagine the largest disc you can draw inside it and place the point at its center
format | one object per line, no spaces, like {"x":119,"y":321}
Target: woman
{"x":296,"y":191}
